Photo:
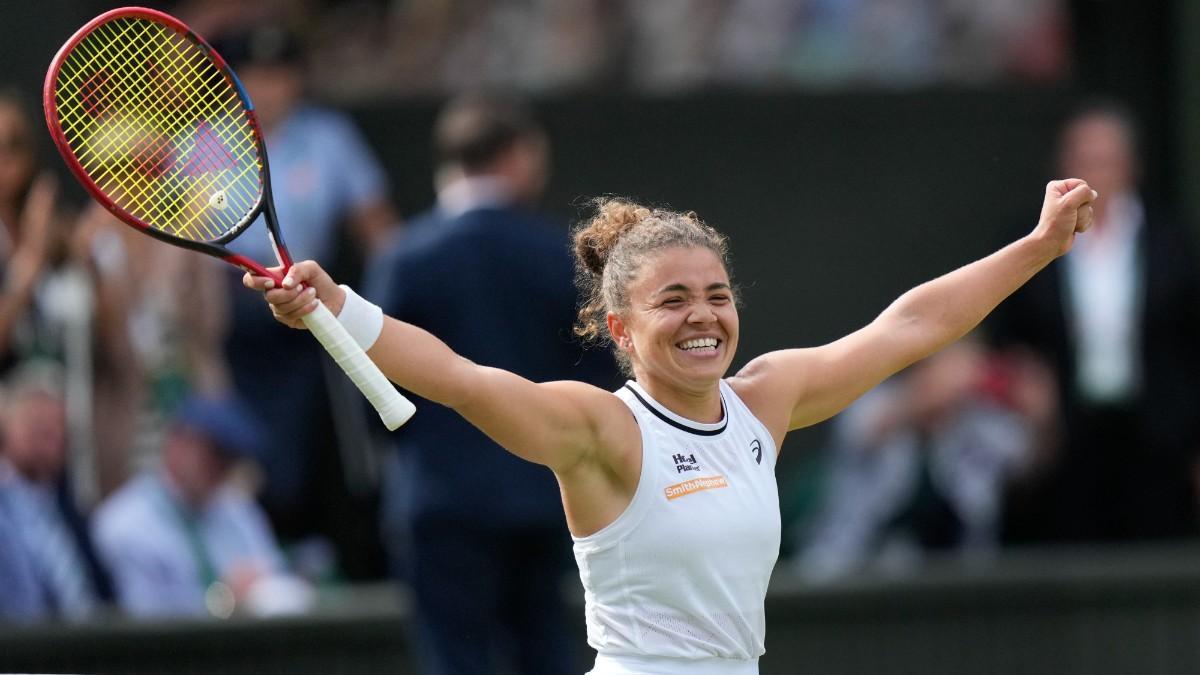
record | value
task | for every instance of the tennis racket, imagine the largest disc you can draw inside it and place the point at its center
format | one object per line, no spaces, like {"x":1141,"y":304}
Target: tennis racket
{"x":159,"y":130}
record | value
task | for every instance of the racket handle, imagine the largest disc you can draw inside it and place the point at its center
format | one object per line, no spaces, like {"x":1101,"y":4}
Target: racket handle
{"x":392,"y":407}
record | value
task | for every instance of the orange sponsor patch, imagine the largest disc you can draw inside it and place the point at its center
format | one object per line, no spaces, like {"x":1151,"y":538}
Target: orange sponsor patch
{"x":687,"y":487}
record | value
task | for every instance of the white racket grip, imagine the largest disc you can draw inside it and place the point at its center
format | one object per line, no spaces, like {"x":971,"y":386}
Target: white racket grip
{"x":392,"y":407}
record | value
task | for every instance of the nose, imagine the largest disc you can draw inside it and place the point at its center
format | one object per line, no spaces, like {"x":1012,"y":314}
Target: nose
{"x":702,"y":313}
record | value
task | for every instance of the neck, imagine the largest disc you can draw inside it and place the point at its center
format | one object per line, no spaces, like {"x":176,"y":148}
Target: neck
{"x":702,"y":404}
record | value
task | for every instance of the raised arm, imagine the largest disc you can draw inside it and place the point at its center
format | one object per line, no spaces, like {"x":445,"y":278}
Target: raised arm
{"x":794,"y":388}
{"x":557,"y":424}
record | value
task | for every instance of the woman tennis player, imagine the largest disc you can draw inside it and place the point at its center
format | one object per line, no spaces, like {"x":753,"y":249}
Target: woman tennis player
{"x":668,"y":484}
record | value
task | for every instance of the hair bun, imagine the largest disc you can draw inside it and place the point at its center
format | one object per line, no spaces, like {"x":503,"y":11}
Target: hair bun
{"x":596,"y":239}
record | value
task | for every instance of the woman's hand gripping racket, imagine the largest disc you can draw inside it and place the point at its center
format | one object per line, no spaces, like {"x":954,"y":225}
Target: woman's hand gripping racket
{"x":159,"y":130}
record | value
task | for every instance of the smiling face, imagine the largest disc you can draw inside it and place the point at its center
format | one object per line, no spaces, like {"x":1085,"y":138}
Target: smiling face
{"x":681,"y":327}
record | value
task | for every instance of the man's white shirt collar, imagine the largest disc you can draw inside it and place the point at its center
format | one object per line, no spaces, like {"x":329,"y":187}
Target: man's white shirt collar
{"x":471,"y":193}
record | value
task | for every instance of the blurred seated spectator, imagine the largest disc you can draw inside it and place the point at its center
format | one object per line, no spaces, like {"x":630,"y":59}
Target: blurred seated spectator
{"x":47,"y":549}
{"x":182,"y":539}
{"x":921,"y":463}
{"x":23,"y":597}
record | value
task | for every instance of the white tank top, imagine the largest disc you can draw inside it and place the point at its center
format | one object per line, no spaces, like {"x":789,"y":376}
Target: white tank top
{"x":676,"y":583}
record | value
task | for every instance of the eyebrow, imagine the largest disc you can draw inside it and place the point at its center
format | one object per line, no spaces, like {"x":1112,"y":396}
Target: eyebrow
{"x":719,"y":285}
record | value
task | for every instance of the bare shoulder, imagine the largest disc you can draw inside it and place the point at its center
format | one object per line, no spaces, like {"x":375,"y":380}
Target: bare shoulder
{"x":613,"y":425}
{"x":598,"y":401}
{"x":770,"y":384}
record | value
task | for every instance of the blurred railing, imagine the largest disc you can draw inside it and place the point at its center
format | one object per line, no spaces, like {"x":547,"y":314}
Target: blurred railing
{"x":360,"y":631}
{"x":1101,"y":611}
{"x":1085,"y":611}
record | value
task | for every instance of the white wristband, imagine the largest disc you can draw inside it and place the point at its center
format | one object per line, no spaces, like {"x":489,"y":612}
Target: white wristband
{"x":362,"y":319}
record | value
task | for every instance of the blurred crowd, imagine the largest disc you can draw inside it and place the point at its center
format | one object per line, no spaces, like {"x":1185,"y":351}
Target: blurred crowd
{"x":376,"y":48}
{"x":157,"y":459}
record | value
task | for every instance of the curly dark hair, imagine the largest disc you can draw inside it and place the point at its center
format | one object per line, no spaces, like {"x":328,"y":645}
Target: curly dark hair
{"x":611,"y":246}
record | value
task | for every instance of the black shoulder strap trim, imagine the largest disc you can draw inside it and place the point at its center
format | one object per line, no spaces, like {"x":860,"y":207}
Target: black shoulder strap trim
{"x":679,"y":425}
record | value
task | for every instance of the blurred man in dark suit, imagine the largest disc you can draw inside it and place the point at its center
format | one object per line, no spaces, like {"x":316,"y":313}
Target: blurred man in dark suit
{"x":1119,"y":320}
{"x":477,"y":532}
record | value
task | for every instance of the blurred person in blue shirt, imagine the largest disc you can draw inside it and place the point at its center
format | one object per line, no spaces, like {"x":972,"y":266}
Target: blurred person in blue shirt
{"x":55,"y":572}
{"x":183,"y":539}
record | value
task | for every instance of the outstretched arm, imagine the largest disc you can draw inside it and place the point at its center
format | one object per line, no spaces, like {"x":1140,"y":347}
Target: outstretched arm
{"x":557,"y":424}
{"x":794,"y":388}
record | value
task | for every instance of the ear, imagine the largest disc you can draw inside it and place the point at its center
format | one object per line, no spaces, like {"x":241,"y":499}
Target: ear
{"x":619,"y":331}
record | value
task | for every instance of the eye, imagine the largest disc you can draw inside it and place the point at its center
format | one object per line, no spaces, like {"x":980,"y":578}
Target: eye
{"x":673,"y":302}
{"x":719,"y":299}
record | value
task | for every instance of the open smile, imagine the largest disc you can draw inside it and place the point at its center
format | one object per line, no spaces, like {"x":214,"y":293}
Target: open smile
{"x":700,"y":346}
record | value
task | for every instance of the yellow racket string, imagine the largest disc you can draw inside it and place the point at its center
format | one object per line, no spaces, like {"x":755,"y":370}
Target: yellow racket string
{"x":159,"y":129}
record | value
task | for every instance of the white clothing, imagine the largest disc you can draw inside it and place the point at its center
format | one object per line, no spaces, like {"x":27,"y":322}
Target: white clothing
{"x":626,"y":664}
{"x":1104,"y":282}
{"x":678,"y":580}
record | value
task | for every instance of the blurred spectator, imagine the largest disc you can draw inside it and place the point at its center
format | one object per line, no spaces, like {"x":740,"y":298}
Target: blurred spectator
{"x":332,"y":201}
{"x":182,"y":539}
{"x":433,"y":46}
{"x":56,"y":572}
{"x":921,"y":464}
{"x":171,"y":334}
{"x":63,"y":299}
{"x":477,"y":532}
{"x":24,"y":598}
{"x":670,"y":42}
{"x":27,"y":205}
{"x":1118,"y":319}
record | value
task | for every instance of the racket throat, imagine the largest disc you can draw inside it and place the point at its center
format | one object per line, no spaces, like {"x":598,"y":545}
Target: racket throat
{"x":281,"y":253}
{"x":254,"y":268}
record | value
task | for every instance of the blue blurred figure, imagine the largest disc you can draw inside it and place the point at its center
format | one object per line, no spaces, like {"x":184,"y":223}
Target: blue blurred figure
{"x":181,"y":540}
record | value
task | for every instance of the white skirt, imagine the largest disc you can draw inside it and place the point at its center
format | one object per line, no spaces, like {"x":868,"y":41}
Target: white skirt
{"x":623,"y":664}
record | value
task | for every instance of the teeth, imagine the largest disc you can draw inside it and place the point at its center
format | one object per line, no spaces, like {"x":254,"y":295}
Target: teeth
{"x":699,"y":343}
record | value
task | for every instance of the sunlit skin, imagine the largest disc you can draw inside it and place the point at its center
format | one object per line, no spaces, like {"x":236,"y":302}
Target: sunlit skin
{"x":680,"y":294}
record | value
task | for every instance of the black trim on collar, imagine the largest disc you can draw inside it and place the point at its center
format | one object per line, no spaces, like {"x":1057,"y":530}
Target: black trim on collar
{"x":679,"y":425}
